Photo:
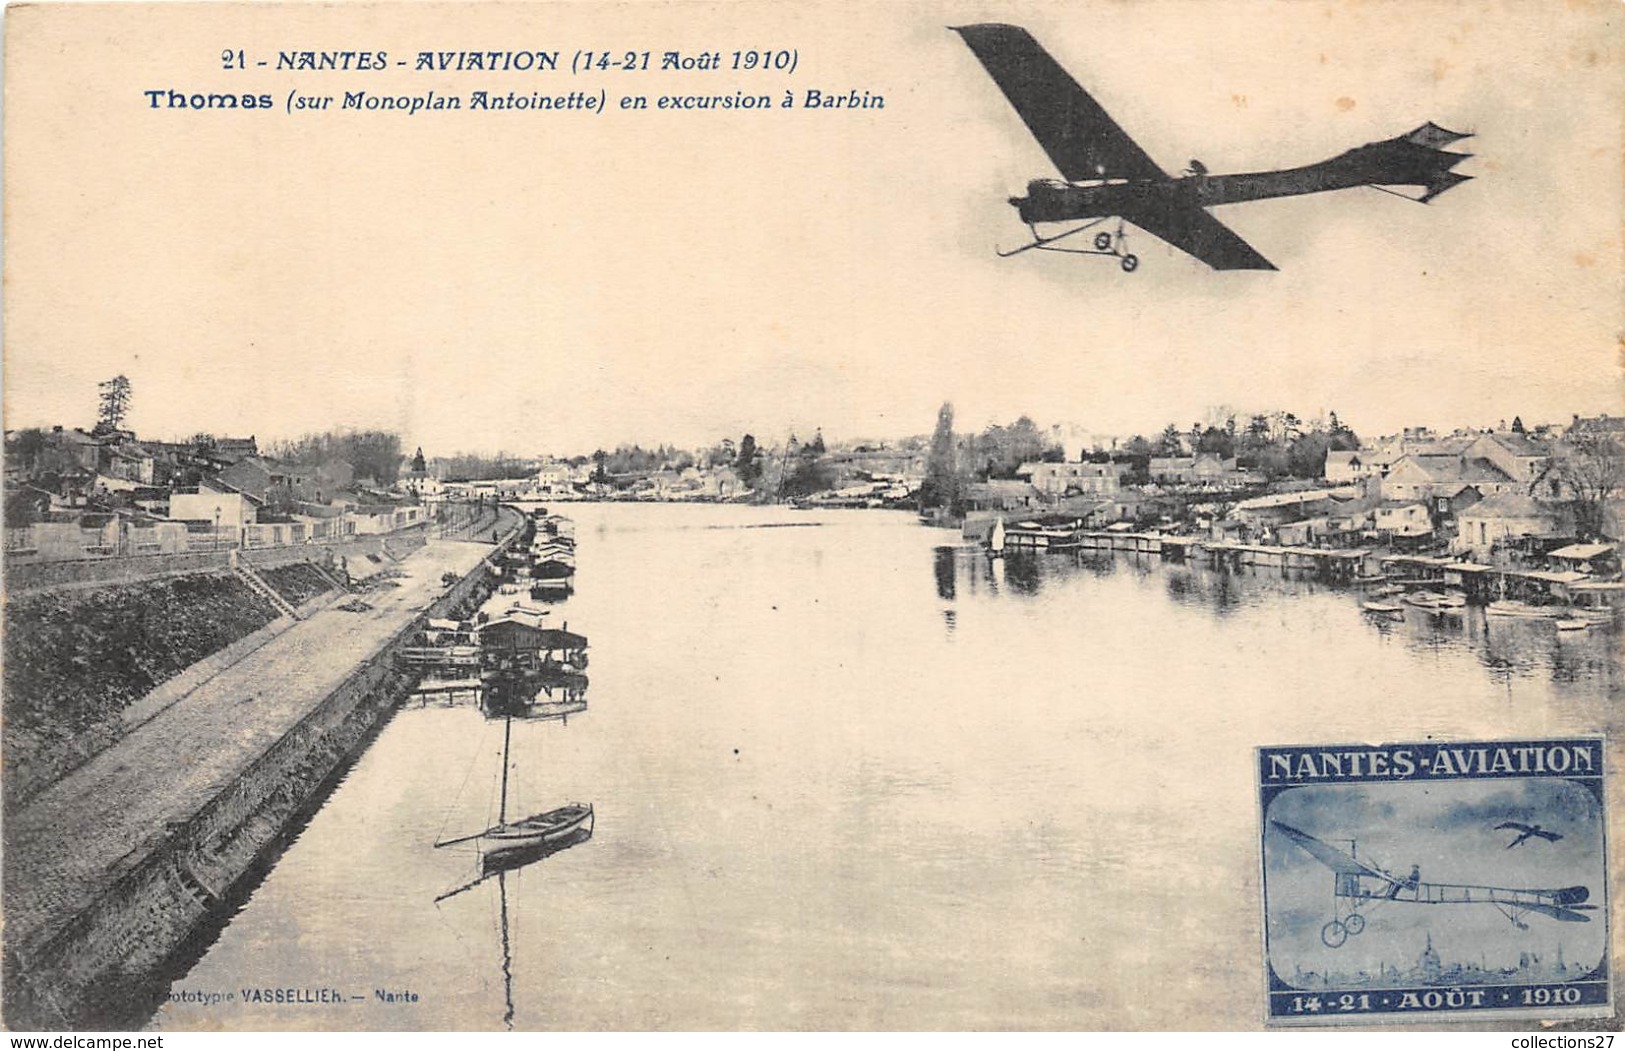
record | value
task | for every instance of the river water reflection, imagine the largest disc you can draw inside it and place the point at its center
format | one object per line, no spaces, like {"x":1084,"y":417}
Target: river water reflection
{"x":850,"y":774}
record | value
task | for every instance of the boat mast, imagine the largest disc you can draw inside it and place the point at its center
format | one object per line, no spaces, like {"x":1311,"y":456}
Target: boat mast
{"x":507,"y":735}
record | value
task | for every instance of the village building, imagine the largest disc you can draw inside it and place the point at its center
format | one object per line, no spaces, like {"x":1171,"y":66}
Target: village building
{"x":1500,"y":520}
{"x":1003,"y":495}
{"x":553,"y":478}
{"x":1517,"y":455}
{"x":1201,"y":469}
{"x":1058,"y":479}
{"x":230,"y":512}
{"x":1403,"y":523}
{"x":1609,"y":428}
{"x":1426,"y":476}
{"x":1262,"y":515}
{"x":1351,"y":465}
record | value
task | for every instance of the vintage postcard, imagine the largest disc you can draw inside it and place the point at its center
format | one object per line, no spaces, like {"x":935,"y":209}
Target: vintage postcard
{"x":1504,"y":909}
{"x":800,"y":516}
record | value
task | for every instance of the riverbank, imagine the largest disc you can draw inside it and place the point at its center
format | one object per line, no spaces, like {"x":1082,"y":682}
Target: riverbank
{"x":112,"y":869}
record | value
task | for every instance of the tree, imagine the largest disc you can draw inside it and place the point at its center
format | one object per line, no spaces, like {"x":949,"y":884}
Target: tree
{"x":942,"y":484}
{"x":115,"y":403}
{"x":1169,"y":443}
{"x":746,"y":467}
{"x":373,"y":454}
{"x":418,"y":466}
{"x":1517,"y":425}
{"x":806,"y":476}
{"x":817,"y":444}
{"x":722,"y":454}
{"x":1589,"y":471}
{"x":27,"y":445}
{"x":1218,"y":441}
{"x":1342,"y":435}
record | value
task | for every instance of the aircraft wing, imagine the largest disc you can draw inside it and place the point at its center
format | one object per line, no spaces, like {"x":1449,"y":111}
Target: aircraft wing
{"x":1340,"y":862}
{"x":1193,"y":230}
{"x":1558,"y":912}
{"x":1072,"y":127}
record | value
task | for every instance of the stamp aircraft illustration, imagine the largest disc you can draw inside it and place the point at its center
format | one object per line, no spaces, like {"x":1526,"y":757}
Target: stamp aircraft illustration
{"x":1105,"y":175}
{"x":1358,"y":886}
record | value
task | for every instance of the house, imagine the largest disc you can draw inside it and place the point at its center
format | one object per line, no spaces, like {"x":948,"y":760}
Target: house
{"x":1403,"y":519}
{"x":1057,"y":479}
{"x":553,"y":477}
{"x":1304,"y":533}
{"x":1269,"y":512}
{"x":1091,"y":511}
{"x":132,"y":462}
{"x":323,"y":521}
{"x":1447,"y":502}
{"x":1002,"y":495}
{"x":1424,"y":476}
{"x":1497,"y":519}
{"x":1201,"y":469}
{"x":1517,"y":455}
{"x":70,"y":448}
{"x":234,"y":449}
{"x":722,"y":483}
{"x":1610,"y":428}
{"x":230,"y":512}
{"x":1350,"y":465}
{"x":265,"y":480}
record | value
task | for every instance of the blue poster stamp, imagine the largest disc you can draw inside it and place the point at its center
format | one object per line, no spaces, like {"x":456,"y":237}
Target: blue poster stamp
{"x":1414,"y":881}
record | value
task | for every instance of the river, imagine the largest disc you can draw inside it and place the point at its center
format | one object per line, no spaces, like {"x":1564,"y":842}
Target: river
{"x":849,"y":774}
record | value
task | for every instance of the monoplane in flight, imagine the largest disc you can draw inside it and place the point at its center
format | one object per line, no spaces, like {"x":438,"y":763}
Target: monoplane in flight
{"x":1359,"y":886}
{"x":1527,"y":832}
{"x":1105,"y":175}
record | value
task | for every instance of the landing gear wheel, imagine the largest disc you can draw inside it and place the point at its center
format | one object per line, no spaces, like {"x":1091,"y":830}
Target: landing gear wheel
{"x":1131,"y":262}
{"x":1355,"y":924}
{"x":1103,"y":240}
{"x":1334,"y":934}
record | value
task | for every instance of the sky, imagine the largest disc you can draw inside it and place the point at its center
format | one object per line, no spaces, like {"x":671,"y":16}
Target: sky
{"x":554,"y":282}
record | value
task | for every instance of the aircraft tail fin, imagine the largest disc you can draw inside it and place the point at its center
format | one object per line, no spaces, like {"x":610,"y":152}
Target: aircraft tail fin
{"x":1435,"y":137}
{"x":1442,"y":182}
{"x":1413,"y":159}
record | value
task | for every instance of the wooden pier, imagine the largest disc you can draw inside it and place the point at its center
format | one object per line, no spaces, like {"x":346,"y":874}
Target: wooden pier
{"x":1481,"y":584}
{"x":1340,"y":565}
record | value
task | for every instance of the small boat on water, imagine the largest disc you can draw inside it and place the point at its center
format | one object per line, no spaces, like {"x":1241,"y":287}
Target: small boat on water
{"x":1572,"y":624}
{"x":1436,"y":601}
{"x":1382,"y":609}
{"x":995,"y":540}
{"x":535,"y":832}
{"x":1515,"y":608}
{"x":507,"y":839}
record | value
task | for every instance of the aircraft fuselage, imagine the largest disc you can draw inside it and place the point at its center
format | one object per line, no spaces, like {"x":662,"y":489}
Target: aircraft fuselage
{"x":1393,"y":162}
